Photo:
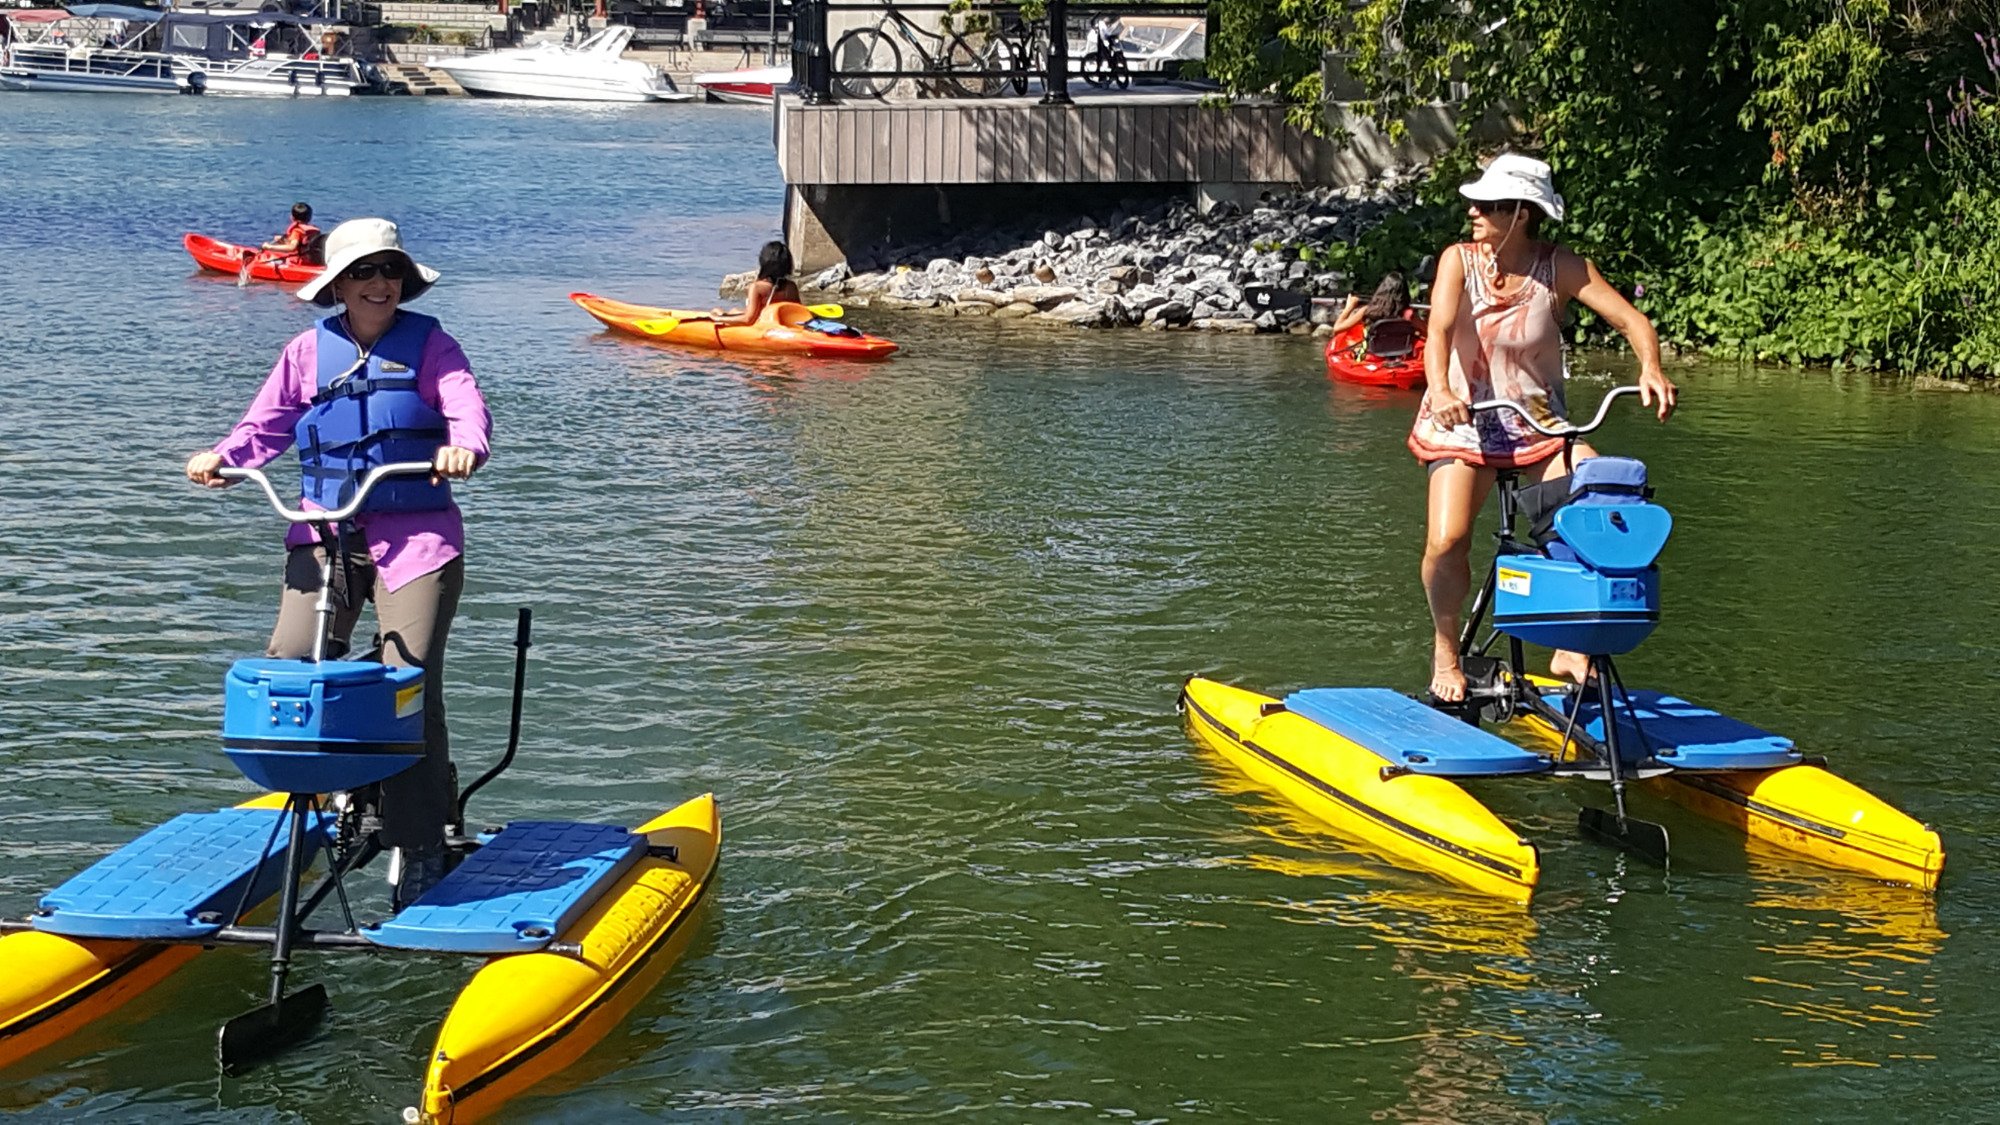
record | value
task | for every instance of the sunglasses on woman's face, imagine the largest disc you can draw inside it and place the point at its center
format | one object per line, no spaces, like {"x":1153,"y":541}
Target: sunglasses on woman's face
{"x":393,"y":270}
{"x":1496,"y":206}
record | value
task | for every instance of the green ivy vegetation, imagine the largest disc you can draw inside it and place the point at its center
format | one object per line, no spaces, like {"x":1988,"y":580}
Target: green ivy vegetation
{"x":1799,"y":181}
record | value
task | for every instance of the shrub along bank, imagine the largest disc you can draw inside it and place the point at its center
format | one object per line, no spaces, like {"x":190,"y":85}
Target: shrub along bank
{"x":1788,"y":180}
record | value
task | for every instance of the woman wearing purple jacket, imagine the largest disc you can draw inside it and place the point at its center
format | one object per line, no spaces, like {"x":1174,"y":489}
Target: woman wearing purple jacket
{"x":370,"y":385}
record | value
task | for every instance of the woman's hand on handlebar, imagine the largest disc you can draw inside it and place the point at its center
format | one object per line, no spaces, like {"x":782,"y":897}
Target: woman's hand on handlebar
{"x":1654,"y":384}
{"x":1447,"y":409}
{"x":452,"y":463}
{"x":201,"y":469}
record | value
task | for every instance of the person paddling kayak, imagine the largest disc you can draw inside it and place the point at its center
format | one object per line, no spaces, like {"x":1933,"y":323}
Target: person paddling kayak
{"x":371,"y":385}
{"x":1496,"y":333}
{"x":774,"y":283}
{"x":300,"y":238}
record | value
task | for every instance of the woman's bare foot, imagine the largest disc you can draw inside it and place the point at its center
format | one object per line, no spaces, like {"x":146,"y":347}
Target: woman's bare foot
{"x":1569,"y":665}
{"x":1447,"y":678}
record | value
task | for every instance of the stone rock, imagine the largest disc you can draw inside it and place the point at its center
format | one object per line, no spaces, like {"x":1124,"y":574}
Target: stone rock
{"x":1109,"y":286}
{"x":1044,"y":296}
{"x":941,"y":267}
{"x":1083,"y":314}
{"x":1322,"y":331}
{"x":1266,"y":322}
{"x":1231,"y":324}
{"x":1170,"y":312}
{"x":831,"y":276}
{"x":1015,"y":311}
{"x":990,"y":297}
{"x":737,"y":282}
{"x":891,"y":301}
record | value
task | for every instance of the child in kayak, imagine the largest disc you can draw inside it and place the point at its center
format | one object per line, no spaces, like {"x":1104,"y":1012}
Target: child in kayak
{"x":300,"y":238}
{"x":370,"y":385}
{"x":774,"y":283}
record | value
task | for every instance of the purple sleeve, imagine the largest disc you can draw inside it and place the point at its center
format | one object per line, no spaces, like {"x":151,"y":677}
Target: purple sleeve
{"x":468,"y":424}
{"x":266,"y":428}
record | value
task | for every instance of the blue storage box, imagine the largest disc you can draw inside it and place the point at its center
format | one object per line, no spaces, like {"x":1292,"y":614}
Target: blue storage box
{"x":1564,"y":604}
{"x":298,"y":727}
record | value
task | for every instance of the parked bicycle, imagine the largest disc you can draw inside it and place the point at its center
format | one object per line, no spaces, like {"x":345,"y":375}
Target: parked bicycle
{"x":867,"y":62}
{"x":1103,"y":64}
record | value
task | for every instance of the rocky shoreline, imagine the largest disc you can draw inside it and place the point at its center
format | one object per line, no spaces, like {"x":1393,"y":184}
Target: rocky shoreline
{"x":1162,"y":266}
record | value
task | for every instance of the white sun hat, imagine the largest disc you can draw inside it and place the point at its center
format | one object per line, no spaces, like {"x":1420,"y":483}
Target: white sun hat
{"x":354,"y":240}
{"x":1513,"y":176}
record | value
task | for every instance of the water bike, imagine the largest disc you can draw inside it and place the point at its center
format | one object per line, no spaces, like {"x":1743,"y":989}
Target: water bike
{"x":576,"y":921}
{"x":218,"y":256}
{"x":783,"y":327}
{"x":1384,"y":767}
{"x":1388,"y":353}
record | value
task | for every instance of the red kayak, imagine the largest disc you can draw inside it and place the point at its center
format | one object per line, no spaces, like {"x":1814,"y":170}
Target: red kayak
{"x":1346,"y":362}
{"x":227,"y":257}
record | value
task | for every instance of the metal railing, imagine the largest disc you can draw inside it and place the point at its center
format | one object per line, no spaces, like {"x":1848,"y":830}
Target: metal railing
{"x":987,"y":51}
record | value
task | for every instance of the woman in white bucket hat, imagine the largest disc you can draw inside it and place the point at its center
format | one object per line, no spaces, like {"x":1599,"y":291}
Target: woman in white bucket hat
{"x":370,"y":385}
{"x":1496,"y":332}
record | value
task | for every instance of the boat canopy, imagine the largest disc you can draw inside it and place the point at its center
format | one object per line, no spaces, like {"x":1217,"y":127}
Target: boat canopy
{"x":227,"y":36}
{"x":114,"y":12}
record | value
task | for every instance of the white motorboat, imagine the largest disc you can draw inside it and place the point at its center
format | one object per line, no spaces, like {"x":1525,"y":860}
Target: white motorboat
{"x":90,"y":48}
{"x":262,"y":54}
{"x":755,"y":85}
{"x":591,"y":71}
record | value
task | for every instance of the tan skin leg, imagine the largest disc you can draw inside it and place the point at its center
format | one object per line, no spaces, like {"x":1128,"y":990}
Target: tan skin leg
{"x":1457,"y":492}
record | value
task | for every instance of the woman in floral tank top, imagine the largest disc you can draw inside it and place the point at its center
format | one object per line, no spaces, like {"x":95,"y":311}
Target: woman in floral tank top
{"x":1496,"y":332}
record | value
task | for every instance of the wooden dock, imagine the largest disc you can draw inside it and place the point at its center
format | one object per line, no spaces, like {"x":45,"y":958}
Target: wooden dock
{"x":863,"y":173}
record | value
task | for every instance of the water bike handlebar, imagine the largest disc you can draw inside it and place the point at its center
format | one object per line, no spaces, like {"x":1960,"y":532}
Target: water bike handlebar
{"x":1603,"y":408}
{"x":303,"y":515}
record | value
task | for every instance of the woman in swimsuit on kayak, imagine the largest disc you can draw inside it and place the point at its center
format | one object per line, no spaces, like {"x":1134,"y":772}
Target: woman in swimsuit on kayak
{"x":774,"y":283}
{"x":1496,"y":332}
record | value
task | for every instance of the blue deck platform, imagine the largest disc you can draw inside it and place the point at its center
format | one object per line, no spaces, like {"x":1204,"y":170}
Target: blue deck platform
{"x":516,"y":893}
{"x":1684,"y":735}
{"x":179,"y":881}
{"x":1408,"y":734}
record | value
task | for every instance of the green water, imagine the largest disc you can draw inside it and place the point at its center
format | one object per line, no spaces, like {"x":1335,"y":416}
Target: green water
{"x":919,"y":627}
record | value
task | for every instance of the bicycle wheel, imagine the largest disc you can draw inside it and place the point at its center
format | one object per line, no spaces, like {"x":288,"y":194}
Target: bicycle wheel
{"x":861,"y":60}
{"x":1095,"y":69}
{"x":1020,"y":60}
{"x":974,"y":71}
{"x":1121,"y":71}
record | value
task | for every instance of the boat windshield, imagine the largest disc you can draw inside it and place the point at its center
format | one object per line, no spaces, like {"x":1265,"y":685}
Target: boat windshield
{"x":609,"y":41}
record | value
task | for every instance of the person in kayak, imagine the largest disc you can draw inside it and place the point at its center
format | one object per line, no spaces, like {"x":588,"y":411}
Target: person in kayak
{"x":1390,"y":301}
{"x":1496,"y":332}
{"x":774,"y":283}
{"x":299,"y":238}
{"x":370,"y":385}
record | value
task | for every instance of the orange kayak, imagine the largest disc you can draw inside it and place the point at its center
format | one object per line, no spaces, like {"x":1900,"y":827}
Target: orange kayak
{"x":227,"y":257}
{"x":784,"y":327}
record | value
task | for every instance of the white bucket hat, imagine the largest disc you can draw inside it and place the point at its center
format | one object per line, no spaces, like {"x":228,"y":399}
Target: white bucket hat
{"x":1513,"y":176}
{"x":354,"y":240}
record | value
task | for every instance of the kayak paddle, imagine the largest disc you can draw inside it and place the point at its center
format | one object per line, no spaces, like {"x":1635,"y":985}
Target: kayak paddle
{"x":667,"y":324}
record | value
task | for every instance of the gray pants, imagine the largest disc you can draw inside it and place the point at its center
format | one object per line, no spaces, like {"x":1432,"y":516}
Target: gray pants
{"x":414,"y":622}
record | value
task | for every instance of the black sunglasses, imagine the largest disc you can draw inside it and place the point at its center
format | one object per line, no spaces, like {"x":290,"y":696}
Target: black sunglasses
{"x":1489,"y":206}
{"x":393,"y":270}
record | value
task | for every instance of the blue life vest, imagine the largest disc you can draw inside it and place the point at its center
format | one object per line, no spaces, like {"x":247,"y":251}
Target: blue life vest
{"x":365,"y":415}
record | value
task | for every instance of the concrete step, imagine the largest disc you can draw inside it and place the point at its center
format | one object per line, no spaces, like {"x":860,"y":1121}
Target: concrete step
{"x":422,"y":80}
